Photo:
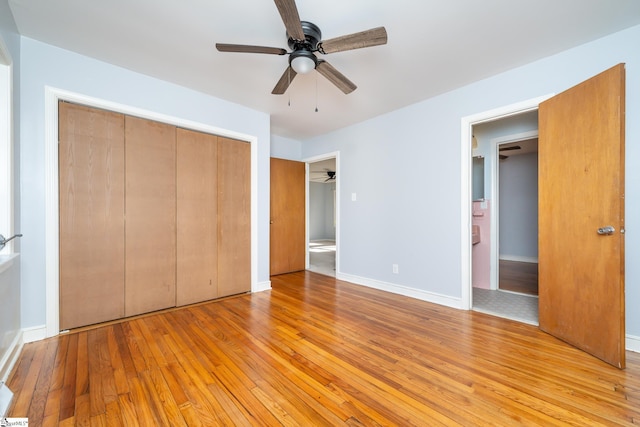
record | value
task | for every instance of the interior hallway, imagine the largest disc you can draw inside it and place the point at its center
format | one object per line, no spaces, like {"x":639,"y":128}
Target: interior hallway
{"x":322,"y":257}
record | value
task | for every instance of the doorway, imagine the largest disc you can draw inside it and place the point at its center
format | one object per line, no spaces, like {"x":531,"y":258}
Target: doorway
{"x":322,"y":214}
{"x":504,"y":259}
{"x":517,"y":208}
{"x":581,"y":196}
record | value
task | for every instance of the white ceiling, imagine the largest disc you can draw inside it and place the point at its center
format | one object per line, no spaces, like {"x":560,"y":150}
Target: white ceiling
{"x":434,"y":46}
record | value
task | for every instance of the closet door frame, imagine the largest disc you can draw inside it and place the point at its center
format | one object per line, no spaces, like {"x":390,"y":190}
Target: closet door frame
{"x":52,"y":255}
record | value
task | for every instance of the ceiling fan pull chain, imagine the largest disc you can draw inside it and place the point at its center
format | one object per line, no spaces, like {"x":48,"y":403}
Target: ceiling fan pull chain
{"x":316,"y":92}
{"x":289,"y":84}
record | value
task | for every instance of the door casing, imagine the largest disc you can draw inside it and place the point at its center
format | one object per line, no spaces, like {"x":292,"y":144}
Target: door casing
{"x":52,"y":259}
{"x":318,"y":158}
{"x":467,"y":124}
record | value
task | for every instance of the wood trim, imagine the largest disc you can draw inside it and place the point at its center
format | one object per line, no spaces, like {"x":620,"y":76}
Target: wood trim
{"x":52,"y":96}
{"x":288,"y":216}
{"x":197,"y":217}
{"x":92,"y":223}
{"x":234,"y":214}
{"x":150,"y":200}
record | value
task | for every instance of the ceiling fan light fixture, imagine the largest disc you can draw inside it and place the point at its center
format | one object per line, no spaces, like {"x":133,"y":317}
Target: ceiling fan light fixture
{"x":303,"y":61}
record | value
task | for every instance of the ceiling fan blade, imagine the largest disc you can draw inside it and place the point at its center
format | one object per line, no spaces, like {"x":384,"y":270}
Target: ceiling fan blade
{"x":335,"y":77}
{"x":242,"y":48}
{"x":289,"y":13}
{"x":513,"y":147}
{"x":372,"y":37}
{"x":284,"y":82}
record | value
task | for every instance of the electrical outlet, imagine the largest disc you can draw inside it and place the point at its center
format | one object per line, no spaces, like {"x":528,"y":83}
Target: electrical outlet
{"x":395,"y":268}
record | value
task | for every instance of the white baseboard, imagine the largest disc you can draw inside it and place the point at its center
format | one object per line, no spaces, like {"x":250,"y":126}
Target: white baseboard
{"x":518,"y":258}
{"x":633,"y":343}
{"x":11,"y":356}
{"x":262,"y":286}
{"x":6,"y":396}
{"x":35,"y":333}
{"x":403,"y":290}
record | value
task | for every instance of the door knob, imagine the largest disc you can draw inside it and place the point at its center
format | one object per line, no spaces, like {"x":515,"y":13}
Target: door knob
{"x":4,"y":241}
{"x":608,"y":230}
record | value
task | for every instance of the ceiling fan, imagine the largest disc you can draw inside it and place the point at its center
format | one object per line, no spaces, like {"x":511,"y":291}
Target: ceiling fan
{"x":509,"y":148}
{"x":305,"y":39}
{"x":331,"y":175}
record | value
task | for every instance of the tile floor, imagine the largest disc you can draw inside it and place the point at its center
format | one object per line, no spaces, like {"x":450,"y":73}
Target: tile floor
{"x":520,"y":307}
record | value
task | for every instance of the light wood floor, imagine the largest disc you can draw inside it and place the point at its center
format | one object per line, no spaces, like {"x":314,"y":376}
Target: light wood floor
{"x":521,"y":277}
{"x":317,"y":351}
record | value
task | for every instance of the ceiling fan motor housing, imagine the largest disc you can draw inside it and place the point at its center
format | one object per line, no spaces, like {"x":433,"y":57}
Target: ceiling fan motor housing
{"x":305,"y":48}
{"x":312,"y":35}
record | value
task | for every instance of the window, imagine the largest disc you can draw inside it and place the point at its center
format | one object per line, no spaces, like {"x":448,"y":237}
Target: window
{"x":6,"y":149}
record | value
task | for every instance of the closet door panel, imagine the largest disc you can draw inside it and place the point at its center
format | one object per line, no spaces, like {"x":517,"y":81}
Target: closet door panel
{"x":150,"y":271}
{"x":234,"y":217}
{"x":197,"y":207}
{"x":91,"y":203}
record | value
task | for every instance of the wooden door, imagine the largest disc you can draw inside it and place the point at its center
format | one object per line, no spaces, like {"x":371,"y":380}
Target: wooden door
{"x":197,"y":217}
{"x":581,"y":189}
{"x":91,"y":188}
{"x":150,"y":249}
{"x":234,"y":217}
{"x":288,"y":240}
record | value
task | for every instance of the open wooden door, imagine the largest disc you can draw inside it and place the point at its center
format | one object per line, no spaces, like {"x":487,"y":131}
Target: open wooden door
{"x":581,"y":195}
{"x":287,"y":241}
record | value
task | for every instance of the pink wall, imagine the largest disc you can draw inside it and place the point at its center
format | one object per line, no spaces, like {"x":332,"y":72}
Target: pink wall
{"x":481,"y":252}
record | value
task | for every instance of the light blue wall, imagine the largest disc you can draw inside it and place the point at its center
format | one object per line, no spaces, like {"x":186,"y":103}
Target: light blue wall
{"x":405,"y":168}
{"x":518,"y":198}
{"x":285,"y":148}
{"x":10,"y":279}
{"x":44,"y":65}
{"x":321,"y":211}
{"x":486,"y":132}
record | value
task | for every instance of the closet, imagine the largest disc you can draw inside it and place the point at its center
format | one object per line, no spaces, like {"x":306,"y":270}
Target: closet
{"x":151,"y":216}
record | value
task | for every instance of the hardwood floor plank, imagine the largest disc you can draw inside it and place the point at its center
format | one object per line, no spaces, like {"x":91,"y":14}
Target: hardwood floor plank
{"x":82,"y":414}
{"x":82,"y":366}
{"x":161,"y":398}
{"x":68,"y":396}
{"x":40,"y":394}
{"x":52,"y":407}
{"x":28,"y":371}
{"x":128,"y":410}
{"x":520,"y":277}
{"x":124,"y":360}
{"x":318,"y":351}
{"x":142,"y":404}
{"x":202,"y":405}
{"x":101,"y":376}
{"x":120,"y":384}
{"x":57,"y":380}
{"x":191,"y":416}
{"x":113,"y":414}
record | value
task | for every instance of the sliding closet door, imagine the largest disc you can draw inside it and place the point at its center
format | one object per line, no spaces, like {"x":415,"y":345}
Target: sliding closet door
{"x":150,"y":236}
{"x":91,"y":188}
{"x":234,"y":217}
{"x":197,"y":212}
